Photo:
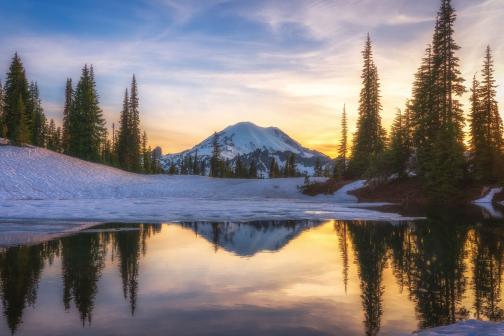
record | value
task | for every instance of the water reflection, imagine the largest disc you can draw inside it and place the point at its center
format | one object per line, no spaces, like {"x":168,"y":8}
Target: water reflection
{"x":349,"y":277}
{"x":247,"y":239}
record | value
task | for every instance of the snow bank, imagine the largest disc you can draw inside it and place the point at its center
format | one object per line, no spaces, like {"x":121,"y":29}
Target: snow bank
{"x":39,"y":184}
{"x":488,"y":198}
{"x":342,"y":195}
{"x":466,"y":328}
{"x":35,"y":173}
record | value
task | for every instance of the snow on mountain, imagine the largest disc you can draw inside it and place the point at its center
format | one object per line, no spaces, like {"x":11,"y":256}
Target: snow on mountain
{"x":252,"y":142}
{"x":247,"y":239}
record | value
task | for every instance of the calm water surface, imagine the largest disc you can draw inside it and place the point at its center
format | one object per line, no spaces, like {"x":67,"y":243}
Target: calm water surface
{"x":267,"y":278}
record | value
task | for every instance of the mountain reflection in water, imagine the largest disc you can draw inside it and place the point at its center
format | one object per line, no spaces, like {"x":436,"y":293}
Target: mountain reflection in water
{"x":278,"y":277}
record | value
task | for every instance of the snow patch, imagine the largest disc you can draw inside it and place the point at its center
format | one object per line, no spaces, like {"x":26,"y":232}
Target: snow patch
{"x":466,"y":328}
{"x":488,"y":198}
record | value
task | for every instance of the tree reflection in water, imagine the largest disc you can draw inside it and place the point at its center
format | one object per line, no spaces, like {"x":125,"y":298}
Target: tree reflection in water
{"x":450,"y":268}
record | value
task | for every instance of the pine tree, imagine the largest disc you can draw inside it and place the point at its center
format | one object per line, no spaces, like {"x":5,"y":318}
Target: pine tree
{"x":215,"y":160}
{"x":239,"y":169}
{"x":479,"y":145}
{"x":343,"y":145}
{"x":69,"y":94}
{"x":134,"y":127}
{"x":447,"y":167}
{"x":369,"y":139}
{"x":52,"y":136}
{"x":196,"y":165}
{"x":37,"y":117}
{"x":398,"y":151}
{"x":3,"y":129}
{"x":290,"y":169}
{"x":486,"y":126}
{"x":124,"y":138}
{"x":425,"y":121}
{"x":22,"y":135}
{"x":252,"y":173}
{"x":274,"y":170}
{"x":147,"y":155}
{"x":437,"y":113}
{"x":318,"y":167}
{"x":87,"y":125}
{"x":16,"y":99}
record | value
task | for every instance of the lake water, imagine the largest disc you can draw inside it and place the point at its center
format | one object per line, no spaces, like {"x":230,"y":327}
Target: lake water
{"x":257,"y":278}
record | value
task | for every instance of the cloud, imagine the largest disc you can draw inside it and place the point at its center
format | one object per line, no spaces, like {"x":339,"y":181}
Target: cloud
{"x":289,"y":64}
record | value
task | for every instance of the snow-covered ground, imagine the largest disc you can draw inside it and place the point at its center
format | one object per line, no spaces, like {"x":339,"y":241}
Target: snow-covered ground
{"x":466,"y":328}
{"x":37,"y":184}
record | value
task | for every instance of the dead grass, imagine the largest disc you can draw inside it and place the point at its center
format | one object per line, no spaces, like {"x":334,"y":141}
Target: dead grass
{"x":324,"y":188}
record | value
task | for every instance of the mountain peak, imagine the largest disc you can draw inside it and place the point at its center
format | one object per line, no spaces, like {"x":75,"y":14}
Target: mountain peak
{"x":246,"y":138}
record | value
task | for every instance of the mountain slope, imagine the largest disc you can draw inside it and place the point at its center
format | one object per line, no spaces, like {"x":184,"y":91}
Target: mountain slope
{"x":251,"y":142}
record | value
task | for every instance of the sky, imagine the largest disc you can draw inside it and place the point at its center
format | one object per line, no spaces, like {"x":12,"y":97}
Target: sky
{"x":202,"y":65}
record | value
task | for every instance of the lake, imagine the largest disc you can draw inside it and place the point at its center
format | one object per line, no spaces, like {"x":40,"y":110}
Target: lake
{"x":256,"y":278}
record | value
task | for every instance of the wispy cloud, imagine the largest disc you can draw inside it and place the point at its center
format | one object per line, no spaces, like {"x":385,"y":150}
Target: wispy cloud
{"x":203,"y":65}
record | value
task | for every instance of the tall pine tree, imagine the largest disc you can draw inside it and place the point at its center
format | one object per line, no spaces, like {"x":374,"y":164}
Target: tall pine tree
{"x":369,"y":139}
{"x":437,"y":112}
{"x":36,"y":115}
{"x":342,"y":158}
{"x":124,"y":138}
{"x":398,"y":151}
{"x":69,"y":95}
{"x":16,"y":98}
{"x":134,"y":127}
{"x":215,"y":160}
{"x":486,"y":126}
{"x":87,"y":125}
{"x":3,"y":129}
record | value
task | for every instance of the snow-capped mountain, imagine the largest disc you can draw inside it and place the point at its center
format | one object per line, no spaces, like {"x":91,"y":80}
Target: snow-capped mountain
{"x":247,"y":239}
{"x":251,"y":142}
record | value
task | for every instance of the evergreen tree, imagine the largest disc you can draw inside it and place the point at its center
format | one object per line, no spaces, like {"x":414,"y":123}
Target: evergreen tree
{"x":478,"y":141}
{"x":274,"y":170}
{"x":22,"y":135}
{"x":36,"y":115}
{"x":369,"y":139}
{"x":134,"y":127}
{"x":69,"y":94}
{"x":16,"y":98}
{"x":215,"y":160}
{"x":173,"y":169}
{"x":239,"y":169}
{"x":124,"y":138}
{"x":290,"y":169}
{"x":318,"y":167}
{"x":87,"y":125}
{"x":341,"y":165}
{"x":147,"y":155}
{"x":196,"y":165}
{"x":3,"y":129}
{"x":252,"y":173}
{"x":424,"y":118}
{"x":398,"y":152}
{"x":437,"y":113}
{"x":53,"y":137}
{"x":486,"y":126}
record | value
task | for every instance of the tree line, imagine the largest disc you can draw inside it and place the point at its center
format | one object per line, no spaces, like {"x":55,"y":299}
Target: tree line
{"x":83,"y":133}
{"x":240,"y":168}
{"x":427,"y":138}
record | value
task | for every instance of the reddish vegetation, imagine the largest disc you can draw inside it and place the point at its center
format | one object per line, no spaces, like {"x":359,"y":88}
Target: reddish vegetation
{"x":400,"y":192}
{"x":404,"y":192}
{"x":328,"y":187}
{"x":410,"y":192}
{"x":499,"y":197}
